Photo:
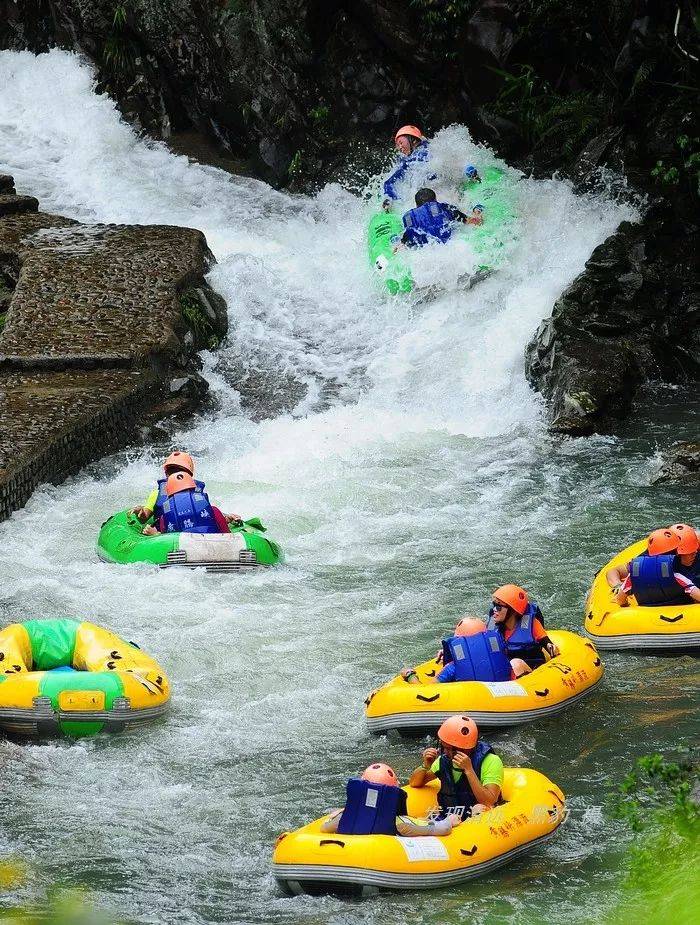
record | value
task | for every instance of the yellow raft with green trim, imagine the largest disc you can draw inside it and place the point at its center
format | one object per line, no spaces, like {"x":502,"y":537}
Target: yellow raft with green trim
{"x":78,"y":679}
{"x":310,"y":861}
{"x":552,"y":687}
{"x":671,"y":627}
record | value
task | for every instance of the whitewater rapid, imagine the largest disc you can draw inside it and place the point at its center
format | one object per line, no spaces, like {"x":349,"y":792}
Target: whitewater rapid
{"x":392,"y":446}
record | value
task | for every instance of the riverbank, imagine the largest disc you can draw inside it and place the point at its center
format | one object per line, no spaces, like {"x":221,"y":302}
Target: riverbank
{"x":102,"y":324}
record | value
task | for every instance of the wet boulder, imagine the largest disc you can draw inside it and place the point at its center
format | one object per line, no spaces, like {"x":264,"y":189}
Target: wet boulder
{"x":680,"y":463}
{"x":632,"y":316}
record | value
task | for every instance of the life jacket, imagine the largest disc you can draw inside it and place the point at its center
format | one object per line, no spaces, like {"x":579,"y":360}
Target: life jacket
{"x":522,"y":643}
{"x":453,"y":792}
{"x":420,"y":154}
{"x":653,"y":583}
{"x":371,"y":809}
{"x":478,"y":658}
{"x":431,"y":220}
{"x":189,"y":511}
{"x":162,"y":497}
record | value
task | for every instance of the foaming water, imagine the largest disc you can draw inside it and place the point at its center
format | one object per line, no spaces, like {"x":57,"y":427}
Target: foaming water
{"x":394,"y":449}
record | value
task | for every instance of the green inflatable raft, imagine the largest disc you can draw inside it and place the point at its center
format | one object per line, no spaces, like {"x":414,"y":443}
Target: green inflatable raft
{"x":496,"y":192}
{"x":246,"y":546}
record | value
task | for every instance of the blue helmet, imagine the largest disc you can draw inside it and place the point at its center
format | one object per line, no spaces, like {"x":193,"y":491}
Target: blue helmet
{"x":471,"y":171}
{"x":479,"y":206}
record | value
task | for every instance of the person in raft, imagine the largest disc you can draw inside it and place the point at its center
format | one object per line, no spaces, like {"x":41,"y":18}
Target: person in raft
{"x":510,"y":645}
{"x":472,"y":653}
{"x":521,"y":624}
{"x":153,"y":505}
{"x":469,"y":771}
{"x":187,"y":509}
{"x":666,"y":573}
{"x":376,"y":805}
{"x":412,"y":145}
{"x":433,"y":221}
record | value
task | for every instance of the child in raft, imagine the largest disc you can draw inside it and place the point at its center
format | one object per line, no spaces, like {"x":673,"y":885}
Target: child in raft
{"x":384,"y":813}
{"x":177,"y":461}
{"x":527,"y":644}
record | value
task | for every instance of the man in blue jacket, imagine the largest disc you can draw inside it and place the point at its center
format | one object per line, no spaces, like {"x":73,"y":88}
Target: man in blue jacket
{"x":413,"y":147}
{"x":430,"y":220}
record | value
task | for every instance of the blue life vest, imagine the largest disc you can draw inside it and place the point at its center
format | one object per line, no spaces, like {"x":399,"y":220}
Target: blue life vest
{"x":371,"y":809}
{"x":189,"y":511}
{"x":453,"y":792}
{"x":522,"y":643}
{"x":420,"y":154}
{"x":653,"y":583}
{"x":482,"y":657}
{"x":431,"y":220}
{"x":162,"y":497}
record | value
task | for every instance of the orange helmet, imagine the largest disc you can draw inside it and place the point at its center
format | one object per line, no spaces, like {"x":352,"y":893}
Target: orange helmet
{"x":178,"y":481}
{"x":470,"y":626}
{"x":689,"y":539}
{"x":411,"y":130}
{"x":662,"y":541}
{"x":181,"y":460}
{"x":459,"y":731}
{"x":514,"y":596}
{"x":380,"y":774}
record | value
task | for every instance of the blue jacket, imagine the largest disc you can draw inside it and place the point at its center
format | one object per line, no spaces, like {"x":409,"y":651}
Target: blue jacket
{"x":475,"y":658}
{"x":522,"y":643}
{"x":371,"y":809}
{"x":420,"y":154}
{"x":430,"y":221}
{"x":458,"y":792}
{"x":189,"y":512}
{"x":653,"y":582}
{"x":162,"y":497}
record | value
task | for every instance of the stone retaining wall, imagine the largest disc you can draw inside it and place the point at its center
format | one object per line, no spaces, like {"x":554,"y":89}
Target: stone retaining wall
{"x":95,"y":341}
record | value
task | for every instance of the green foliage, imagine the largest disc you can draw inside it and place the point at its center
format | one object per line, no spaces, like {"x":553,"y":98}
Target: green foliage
{"x":119,"y":51}
{"x":661,"y":883}
{"x":119,"y":20}
{"x":295,"y":166}
{"x":197,"y":321}
{"x":440,"y":22}
{"x":543,"y":116}
{"x":319,"y":115}
{"x":655,"y":782}
{"x":684,"y":166}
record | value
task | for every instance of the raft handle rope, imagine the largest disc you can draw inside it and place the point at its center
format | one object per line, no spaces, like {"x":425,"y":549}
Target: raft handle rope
{"x":331,"y":841}
{"x":427,"y":699}
{"x":671,"y":619}
{"x":469,"y":852}
{"x":542,"y":693}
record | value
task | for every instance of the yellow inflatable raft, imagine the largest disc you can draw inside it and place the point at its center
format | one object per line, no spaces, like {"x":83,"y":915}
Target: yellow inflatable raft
{"x":309,"y":860}
{"x":61,"y":676}
{"x":547,"y":690}
{"x":633,"y":627}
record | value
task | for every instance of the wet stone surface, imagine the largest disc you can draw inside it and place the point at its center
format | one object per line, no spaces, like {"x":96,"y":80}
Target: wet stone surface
{"x":95,"y":335}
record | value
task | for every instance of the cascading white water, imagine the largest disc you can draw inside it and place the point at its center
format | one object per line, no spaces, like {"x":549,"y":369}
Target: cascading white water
{"x":409,"y":475}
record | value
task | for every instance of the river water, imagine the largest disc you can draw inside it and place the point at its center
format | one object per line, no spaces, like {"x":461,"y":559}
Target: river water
{"x":395,"y":450}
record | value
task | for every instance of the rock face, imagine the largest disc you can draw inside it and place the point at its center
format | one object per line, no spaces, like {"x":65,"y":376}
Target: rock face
{"x":313,"y":90}
{"x":681,"y":463}
{"x":632,"y":315}
{"x":99,"y":327}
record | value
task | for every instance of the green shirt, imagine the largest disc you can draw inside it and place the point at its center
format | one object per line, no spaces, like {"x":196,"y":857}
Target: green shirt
{"x":491,"y":770}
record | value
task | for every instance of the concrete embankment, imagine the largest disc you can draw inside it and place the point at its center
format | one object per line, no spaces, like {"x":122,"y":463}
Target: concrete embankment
{"x":99,"y":331}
